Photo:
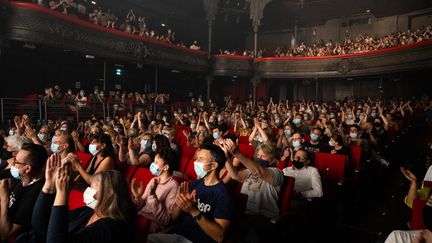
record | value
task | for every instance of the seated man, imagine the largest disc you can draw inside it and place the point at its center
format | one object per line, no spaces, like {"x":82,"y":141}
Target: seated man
{"x":18,"y":197}
{"x":307,"y":179}
{"x":206,"y":203}
{"x":317,"y":143}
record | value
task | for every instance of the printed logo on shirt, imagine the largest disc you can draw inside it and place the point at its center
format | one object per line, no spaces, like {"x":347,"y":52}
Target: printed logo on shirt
{"x":12,"y":199}
{"x":203,"y":207}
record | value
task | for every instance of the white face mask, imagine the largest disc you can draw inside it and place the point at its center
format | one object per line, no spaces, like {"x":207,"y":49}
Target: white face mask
{"x":93,"y":149}
{"x":296,"y":143}
{"x":89,"y":199}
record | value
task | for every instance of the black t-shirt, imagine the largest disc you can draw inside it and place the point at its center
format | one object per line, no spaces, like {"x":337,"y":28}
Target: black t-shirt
{"x":214,"y":202}
{"x":314,"y":148}
{"x":344,"y":150}
{"x":21,"y":202}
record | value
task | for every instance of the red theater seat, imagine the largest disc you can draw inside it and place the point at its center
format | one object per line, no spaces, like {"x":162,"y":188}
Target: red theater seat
{"x":247,"y":150}
{"x":85,"y":158}
{"x":355,"y":157}
{"x":142,"y":229}
{"x":190,"y":171}
{"x":417,"y":222}
{"x":143,"y":175}
{"x":286,"y":194}
{"x":76,"y":199}
{"x":243,"y":140}
{"x":188,"y":152}
{"x":331,"y":167}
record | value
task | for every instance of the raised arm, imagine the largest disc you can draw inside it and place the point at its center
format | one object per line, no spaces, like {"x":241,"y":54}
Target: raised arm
{"x":254,"y":168}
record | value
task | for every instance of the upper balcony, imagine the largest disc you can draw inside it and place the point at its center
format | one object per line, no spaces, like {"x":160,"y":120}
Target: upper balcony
{"x":416,"y":56}
{"x":32,"y":23}
{"x":230,"y":65}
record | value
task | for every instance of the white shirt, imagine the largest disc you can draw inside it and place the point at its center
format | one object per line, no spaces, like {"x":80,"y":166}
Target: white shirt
{"x":428,"y":176}
{"x":307,"y":181}
{"x":263,"y":198}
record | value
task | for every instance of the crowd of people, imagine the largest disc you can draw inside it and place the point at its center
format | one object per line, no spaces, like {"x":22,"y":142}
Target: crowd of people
{"x":131,"y":23}
{"x":360,"y":44}
{"x":39,"y":166}
{"x":120,"y":100}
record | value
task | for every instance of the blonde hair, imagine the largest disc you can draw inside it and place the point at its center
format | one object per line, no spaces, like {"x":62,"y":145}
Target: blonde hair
{"x":270,"y":150}
{"x":15,"y":142}
{"x":114,"y":198}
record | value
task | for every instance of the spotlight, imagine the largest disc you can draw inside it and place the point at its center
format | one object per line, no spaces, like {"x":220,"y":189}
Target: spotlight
{"x":93,"y":2}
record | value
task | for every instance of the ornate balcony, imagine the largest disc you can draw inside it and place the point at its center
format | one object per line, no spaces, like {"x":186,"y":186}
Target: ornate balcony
{"x":31,"y":23}
{"x":398,"y":59}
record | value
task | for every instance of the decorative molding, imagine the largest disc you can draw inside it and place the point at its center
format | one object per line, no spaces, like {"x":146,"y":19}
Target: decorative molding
{"x":42,"y":26}
{"x":27,"y":24}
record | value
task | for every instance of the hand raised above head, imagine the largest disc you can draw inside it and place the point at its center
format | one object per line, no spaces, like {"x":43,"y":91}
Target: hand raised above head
{"x":409,"y":175}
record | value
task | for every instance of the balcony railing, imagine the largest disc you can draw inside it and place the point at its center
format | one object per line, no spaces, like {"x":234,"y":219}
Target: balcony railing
{"x":41,"y":110}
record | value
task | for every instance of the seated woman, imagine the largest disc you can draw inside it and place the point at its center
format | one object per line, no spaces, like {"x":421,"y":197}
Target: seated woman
{"x":261,"y":182}
{"x":107,"y":217}
{"x":158,"y":198}
{"x":337,"y":145}
{"x":103,"y":158}
{"x":144,"y":156}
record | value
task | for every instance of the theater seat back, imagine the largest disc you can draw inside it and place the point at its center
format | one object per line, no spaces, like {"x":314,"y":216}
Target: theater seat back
{"x":286,"y":194}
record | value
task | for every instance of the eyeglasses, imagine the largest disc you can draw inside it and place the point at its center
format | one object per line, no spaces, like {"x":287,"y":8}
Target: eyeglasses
{"x":15,"y":161}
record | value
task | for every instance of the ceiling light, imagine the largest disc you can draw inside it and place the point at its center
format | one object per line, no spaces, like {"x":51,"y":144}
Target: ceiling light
{"x":93,"y":2}
{"x":163,"y":25}
{"x":89,"y":56}
{"x":368,"y":11}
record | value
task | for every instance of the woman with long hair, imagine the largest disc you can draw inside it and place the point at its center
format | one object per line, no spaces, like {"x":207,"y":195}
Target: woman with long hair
{"x":107,"y":217}
{"x":103,"y":157}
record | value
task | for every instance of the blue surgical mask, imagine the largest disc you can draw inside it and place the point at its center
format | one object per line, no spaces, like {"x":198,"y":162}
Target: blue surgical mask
{"x":192,"y":126}
{"x":11,"y":132}
{"x":63,"y":128}
{"x":314,"y":137}
{"x":15,"y":172}
{"x":296,"y":121}
{"x":93,"y":149}
{"x":154,"y":169}
{"x":353,"y":135}
{"x":216,"y":135}
{"x":55,"y":148}
{"x":199,"y":169}
{"x":143,"y":143}
{"x":154,"y":147}
{"x":332,"y":116}
{"x":287,"y":132}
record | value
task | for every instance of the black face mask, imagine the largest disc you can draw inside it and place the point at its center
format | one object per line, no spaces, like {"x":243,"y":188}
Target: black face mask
{"x":297,"y":164}
{"x":377,"y":124}
{"x":262,"y":162}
